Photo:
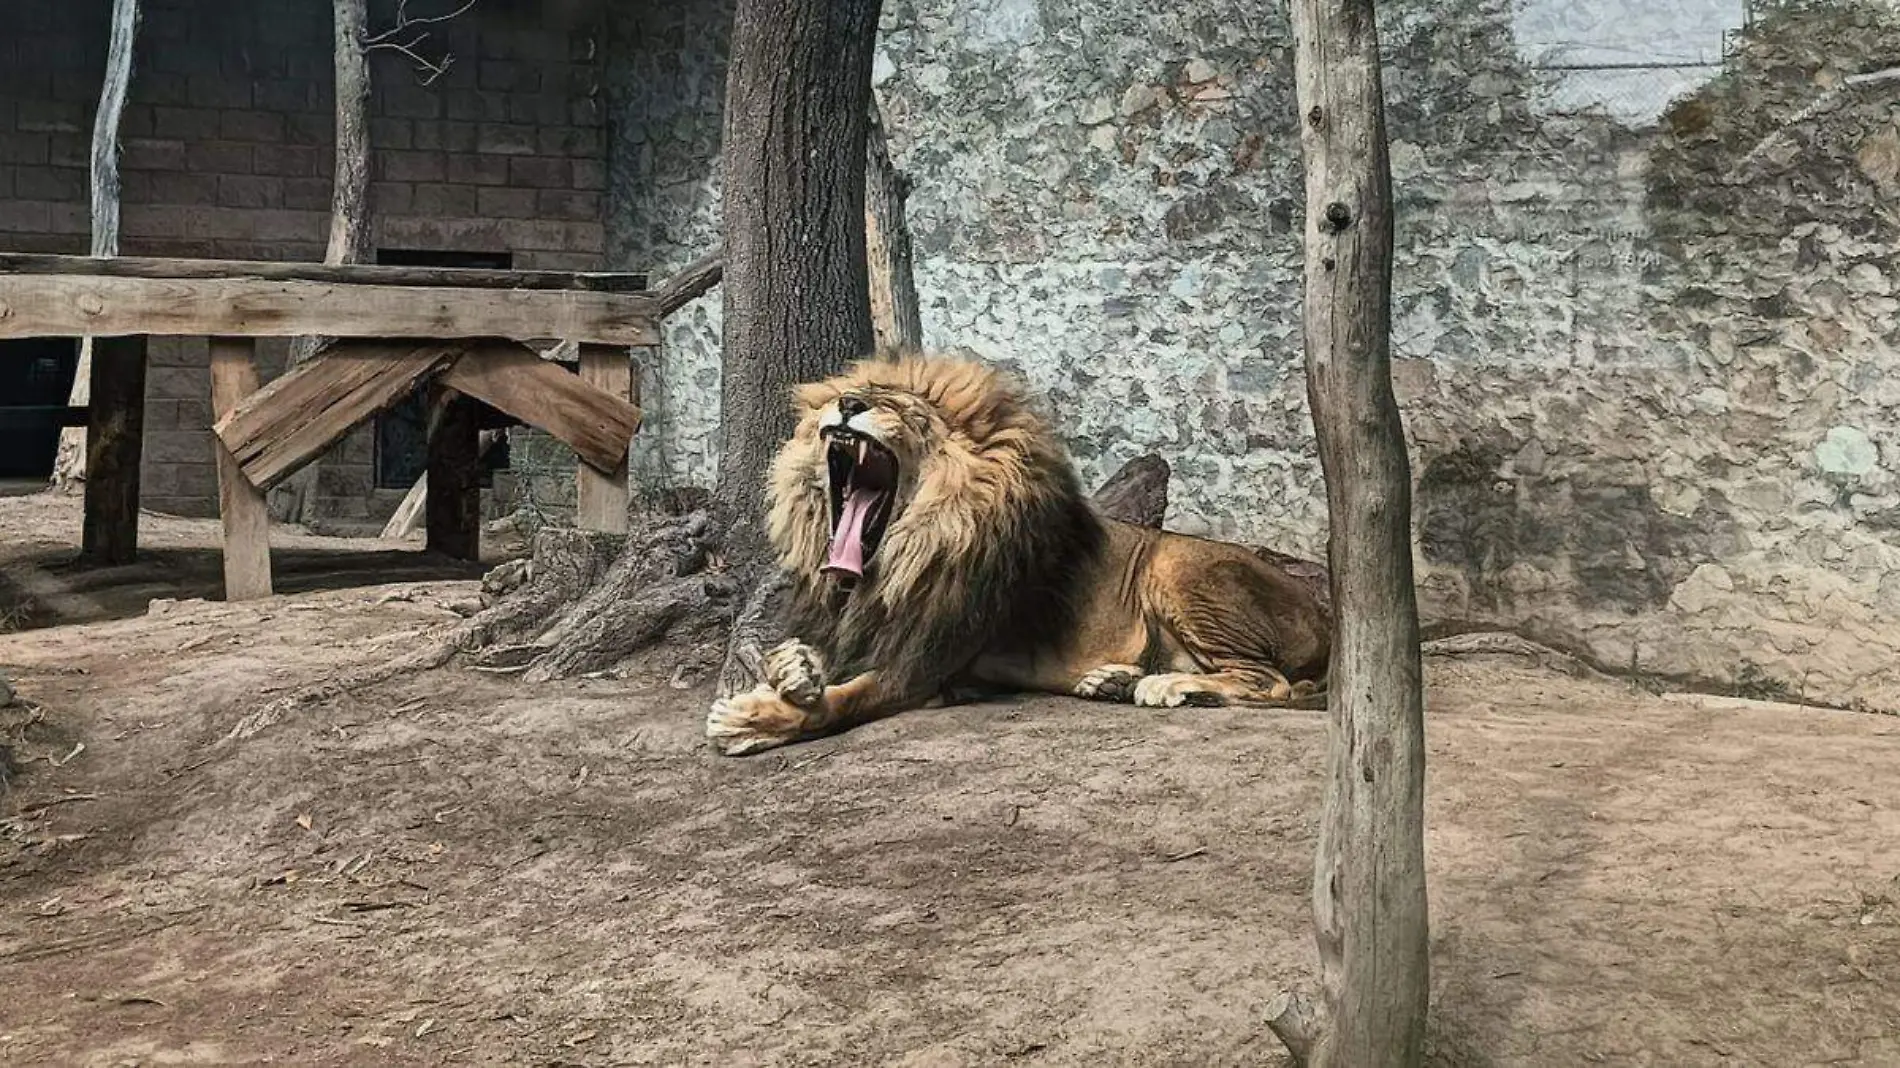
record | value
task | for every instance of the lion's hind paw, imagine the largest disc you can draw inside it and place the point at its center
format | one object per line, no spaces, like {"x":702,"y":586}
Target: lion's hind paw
{"x":1174,"y":690}
{"x":1110,"y":682}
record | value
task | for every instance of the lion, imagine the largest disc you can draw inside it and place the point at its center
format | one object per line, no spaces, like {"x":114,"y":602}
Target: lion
{"x":937,"y":543}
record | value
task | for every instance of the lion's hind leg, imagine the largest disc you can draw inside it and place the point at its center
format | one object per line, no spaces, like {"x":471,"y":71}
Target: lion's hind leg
{"x":1110,"y":682}
{"x":1237,"y":684}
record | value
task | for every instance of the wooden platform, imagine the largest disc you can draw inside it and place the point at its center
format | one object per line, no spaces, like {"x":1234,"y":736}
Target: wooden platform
{"x":461,"y":331}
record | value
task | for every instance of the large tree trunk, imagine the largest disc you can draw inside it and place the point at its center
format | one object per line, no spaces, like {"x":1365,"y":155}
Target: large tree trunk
{"x":349,"y":196}
{"x":797,"y":305}
{"x":895,"y":314}
{"x":797,"y":308}
{"x":70,"y":465}
{"x":1369,"y":901}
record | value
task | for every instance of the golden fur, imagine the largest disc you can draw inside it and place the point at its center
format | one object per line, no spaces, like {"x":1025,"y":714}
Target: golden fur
{"x":995,"y":571}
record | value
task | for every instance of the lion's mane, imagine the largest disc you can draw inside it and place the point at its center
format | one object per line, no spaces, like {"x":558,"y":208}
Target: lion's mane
{"x":986,"y":553}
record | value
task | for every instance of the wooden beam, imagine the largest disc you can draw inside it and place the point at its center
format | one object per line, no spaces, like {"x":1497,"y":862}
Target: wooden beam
{"x":588,"y":412}
{"x":363,"y":274}
{"x":454,"y":518}
{"x":241,"y":505}
{"x":33,"y":305}
{"x":600,"y":495}
{"x":693,"y":281}
{"x":298,"y":415}
{"x":114,"y":444}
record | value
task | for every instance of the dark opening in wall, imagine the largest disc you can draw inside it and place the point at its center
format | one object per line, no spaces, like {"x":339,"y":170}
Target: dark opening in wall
{"x":402,"y":432}
{"x":36,"y":378}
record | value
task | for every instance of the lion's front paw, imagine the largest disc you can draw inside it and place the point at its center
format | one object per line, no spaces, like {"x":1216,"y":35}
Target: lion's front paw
{"x":796,"y":672}
{"x":755,"y":721}
{"x":1110,"y":682}
{"x":1174,"y":690}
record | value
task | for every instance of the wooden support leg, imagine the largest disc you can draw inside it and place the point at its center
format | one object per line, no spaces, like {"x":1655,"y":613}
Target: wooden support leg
{"x":600,"y":500}
{"x":242,"y":505}
{"x":115,"y":439}
{"x":454,"y":512}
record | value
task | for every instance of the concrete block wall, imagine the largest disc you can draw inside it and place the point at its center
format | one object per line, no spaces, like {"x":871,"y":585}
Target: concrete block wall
{"x":228,"y":152}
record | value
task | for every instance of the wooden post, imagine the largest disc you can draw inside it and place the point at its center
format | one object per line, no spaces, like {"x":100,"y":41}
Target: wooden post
{"x":895,"y":314}
{"x":241,"y":505}
{"x":70,"y":464}
{"x":454,"y":518}
{"x":600,"y":500}
{"x":1369,"y":903}
{"x":115,"y":432}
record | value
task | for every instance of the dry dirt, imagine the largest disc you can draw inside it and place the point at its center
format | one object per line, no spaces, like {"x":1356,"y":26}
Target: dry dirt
{"x":454,"y":868}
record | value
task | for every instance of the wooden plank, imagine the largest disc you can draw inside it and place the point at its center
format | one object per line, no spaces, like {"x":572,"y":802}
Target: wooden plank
{"x":351,"y":274}
{"x":241,"y":505}
{"x":298,"y":415}
{"x":115,"y":436}
{"x":454,"y":509}
{"x":598,"y":424}
{"x":600,"y":496}
{"x":33,"y":305}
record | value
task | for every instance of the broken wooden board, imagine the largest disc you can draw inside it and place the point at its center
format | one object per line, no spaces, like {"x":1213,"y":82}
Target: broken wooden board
{"x":74,"y":305}
{"x":291,"y":421}
{"x":596,"y":424}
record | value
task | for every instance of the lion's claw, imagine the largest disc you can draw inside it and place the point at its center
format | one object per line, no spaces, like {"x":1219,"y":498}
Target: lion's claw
{"x":796,"y":672}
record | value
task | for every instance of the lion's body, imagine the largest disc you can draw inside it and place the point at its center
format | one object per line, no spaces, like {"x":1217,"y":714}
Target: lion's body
{"x":994,"y":571}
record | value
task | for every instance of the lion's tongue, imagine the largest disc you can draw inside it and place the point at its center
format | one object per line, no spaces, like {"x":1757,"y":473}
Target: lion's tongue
{"x":847,"y":541}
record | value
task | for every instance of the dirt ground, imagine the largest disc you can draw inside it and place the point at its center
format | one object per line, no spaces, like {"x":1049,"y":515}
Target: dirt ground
{"x":455,"y":868}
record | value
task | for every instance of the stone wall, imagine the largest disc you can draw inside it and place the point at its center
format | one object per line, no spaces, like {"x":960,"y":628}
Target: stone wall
{"x":228,"y":153}
{"x":1647,"y":361}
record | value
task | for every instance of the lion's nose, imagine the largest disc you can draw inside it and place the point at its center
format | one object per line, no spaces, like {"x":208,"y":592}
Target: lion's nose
{"x":850,"y":406}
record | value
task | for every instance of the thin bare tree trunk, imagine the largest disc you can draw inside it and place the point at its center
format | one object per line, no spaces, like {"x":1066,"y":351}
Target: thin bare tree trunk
{"x":70,"y":465}
{"x":349,"y":195}
{"x":894,"y":311}
{"x":1369,"y":903}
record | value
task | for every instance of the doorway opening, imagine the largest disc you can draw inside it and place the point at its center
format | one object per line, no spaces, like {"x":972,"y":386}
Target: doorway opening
{"x":36,"y":380}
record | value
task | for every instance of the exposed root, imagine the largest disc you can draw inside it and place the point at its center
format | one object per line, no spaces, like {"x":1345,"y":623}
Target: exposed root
{"x":1298,"y":1023}
{"x":1503,"y":643}
{"x":433,"y":656}
{"x":756,"y":630}
{"x":592,"y":600}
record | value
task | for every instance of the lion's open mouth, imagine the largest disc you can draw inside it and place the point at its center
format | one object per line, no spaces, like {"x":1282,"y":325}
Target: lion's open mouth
{"x":863,"y":486}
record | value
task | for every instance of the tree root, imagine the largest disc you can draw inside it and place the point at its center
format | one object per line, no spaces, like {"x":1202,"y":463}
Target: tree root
{"x":592,"y":600}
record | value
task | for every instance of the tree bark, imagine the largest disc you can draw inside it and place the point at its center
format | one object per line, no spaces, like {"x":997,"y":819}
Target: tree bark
{"x":894,"y":312}
{"x":1369,"y":900}
{"x":70,"y":465}
{"x":797,"y":305}
{"x":349,"y":192}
